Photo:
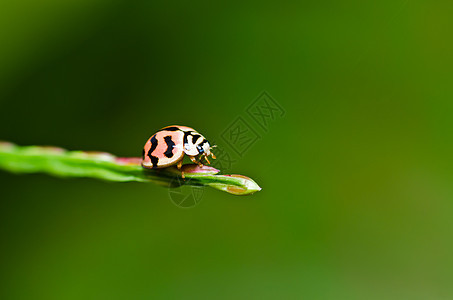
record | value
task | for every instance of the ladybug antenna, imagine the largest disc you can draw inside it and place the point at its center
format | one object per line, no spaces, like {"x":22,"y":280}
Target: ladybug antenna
{"x":212,"y":154}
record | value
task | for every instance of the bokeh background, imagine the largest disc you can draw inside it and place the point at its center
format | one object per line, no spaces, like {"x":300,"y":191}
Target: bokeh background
{"x":356,"y":176}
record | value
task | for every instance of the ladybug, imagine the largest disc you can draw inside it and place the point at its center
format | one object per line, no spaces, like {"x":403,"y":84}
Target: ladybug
{"x":168,"y":146}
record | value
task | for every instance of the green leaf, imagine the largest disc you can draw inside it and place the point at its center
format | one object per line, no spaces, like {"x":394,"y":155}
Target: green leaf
{"x":105,"y":166}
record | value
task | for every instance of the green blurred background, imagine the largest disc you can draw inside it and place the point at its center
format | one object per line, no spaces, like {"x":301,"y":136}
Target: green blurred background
{"x":356,"y":176}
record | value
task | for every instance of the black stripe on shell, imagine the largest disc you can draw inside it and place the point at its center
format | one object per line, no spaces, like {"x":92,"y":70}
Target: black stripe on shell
{"x":170,"y":144}
{"x":154,"y":159}
{"x":171,"y":128}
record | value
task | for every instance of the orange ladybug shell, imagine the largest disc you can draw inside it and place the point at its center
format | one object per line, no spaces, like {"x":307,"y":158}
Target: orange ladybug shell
{"x":165,"y":147}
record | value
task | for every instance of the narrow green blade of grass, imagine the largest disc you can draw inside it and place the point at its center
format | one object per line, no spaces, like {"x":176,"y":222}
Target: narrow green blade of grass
{"x":105,"y":166}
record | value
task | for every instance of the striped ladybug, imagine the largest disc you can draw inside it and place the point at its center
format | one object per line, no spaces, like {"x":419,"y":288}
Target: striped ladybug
{"x":168,"y":146}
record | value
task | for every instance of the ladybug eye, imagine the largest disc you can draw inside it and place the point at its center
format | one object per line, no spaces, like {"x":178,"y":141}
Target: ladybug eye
{"x":200,"y":149}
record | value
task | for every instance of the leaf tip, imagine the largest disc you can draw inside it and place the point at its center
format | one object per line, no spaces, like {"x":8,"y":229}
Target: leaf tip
{"x":249,"y":186}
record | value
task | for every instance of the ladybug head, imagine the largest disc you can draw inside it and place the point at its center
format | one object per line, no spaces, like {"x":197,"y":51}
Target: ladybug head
{"x":205,"y":151}
{"x":204,"y":148}
{"x":197,"y":145}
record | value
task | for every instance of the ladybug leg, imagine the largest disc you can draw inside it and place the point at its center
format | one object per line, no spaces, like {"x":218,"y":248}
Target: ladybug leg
{"x":179,"y":166}
{"x":213,"y":156}
{"x":206,"y":157}
{"x":194,"y":159}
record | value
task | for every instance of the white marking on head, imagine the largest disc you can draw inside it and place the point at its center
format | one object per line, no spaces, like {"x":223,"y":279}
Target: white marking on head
{"x":190,"y":148}
{"x":207,"y":148}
